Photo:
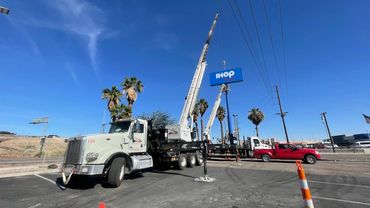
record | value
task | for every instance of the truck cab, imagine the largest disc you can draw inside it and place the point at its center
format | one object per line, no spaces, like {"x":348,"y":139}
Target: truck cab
{"x":122,"y":150}
{"x":255,"y":143}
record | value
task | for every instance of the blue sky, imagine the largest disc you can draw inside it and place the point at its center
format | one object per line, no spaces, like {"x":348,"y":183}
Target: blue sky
{"x":57,"y":56}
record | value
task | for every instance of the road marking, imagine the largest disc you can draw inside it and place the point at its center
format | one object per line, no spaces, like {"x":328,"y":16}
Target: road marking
{"x":341,"y":200}
{"x":42,"y":177}
{"x":36,"y":205}
{"x":340,"y":184}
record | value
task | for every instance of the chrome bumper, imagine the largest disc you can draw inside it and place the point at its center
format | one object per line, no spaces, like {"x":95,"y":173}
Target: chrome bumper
{"x":83,"y":169}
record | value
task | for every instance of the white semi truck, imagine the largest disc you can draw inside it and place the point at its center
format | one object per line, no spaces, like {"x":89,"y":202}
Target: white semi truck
{"x":133,"y":145}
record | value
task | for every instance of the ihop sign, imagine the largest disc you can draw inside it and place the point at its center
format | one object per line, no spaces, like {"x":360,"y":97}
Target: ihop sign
{"x":226,"y":76}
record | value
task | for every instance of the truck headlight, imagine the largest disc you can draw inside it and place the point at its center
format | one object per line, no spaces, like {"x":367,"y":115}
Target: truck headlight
{"x":91,"y":156}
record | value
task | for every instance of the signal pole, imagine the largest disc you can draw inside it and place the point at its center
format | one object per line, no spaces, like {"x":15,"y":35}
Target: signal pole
{"x":282,"y":114}
{"x":323,"y":117}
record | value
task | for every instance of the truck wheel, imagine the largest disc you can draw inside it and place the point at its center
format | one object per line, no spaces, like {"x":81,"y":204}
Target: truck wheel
{"x":181,"y":163}
{"x":191,"y":160}
{"x":199,"y":161}
{"x":310,"y":159}
{"x":116,"y":172}
{"x":265,"y":158}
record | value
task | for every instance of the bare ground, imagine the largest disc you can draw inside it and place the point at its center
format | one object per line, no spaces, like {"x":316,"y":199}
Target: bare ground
{"x":22,"y":147}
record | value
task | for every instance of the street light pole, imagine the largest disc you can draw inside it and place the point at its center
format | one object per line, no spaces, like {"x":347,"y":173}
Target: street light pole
{"x":323,"y":117}
{"x":4,"y":10}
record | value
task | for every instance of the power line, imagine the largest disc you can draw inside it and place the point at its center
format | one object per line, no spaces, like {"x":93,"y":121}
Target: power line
{"x":246,"y":38}
{"x":271,"y":41}
{"x":259,"y":42}
{"x":283,"y":47}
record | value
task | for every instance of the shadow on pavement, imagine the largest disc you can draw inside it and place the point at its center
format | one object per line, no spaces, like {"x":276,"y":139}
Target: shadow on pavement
{"x":89,"y":182}
{"x":171,"y":173}
{"x":81,"y":182}
{"x":271,"y":161}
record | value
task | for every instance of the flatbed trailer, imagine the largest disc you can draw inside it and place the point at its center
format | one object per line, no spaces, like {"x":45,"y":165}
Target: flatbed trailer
{"x":179,"y":153}
{"x":228,"y":150}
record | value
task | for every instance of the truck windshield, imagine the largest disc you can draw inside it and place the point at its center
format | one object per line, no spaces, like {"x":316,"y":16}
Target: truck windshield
{"x":119,"y":127}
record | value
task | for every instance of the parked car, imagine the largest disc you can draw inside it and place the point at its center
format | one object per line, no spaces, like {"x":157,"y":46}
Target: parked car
{"x":362,"y":144}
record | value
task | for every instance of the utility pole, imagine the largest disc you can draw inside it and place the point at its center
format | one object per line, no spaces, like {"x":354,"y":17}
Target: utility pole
{"x":323,"y":117}
{"x":282,"y":114}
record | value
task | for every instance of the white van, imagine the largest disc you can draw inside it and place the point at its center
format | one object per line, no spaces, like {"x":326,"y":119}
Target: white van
{"x":363,"y":144}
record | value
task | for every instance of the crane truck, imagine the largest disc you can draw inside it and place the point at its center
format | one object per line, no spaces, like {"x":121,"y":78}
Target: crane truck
{"x":133,"y":144}
{"x":244,"y":149}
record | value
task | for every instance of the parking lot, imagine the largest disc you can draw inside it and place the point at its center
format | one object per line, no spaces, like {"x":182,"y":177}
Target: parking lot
{"x":248,"y":184}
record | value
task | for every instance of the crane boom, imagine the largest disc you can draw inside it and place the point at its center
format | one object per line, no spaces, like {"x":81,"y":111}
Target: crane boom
{"x":212,"y":117}
{"x":192,"y":96}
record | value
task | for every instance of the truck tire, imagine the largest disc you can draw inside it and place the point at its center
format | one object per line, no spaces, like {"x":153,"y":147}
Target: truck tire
{"x":117,"y":172}
{"x":191,"y":160}
{"x":265,"y":158}
{"x":199,"y":158}
{"x":310,"y":159}
{"x":181,"y":163}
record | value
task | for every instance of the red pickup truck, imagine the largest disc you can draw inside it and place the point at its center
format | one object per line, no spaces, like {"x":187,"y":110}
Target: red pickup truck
{"x":287,"y":151}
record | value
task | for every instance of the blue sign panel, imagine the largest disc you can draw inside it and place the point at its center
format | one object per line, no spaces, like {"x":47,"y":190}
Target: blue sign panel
{"x":226,"y":76}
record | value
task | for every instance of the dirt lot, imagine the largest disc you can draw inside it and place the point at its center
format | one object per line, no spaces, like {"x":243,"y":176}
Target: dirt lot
{"x":22,"y":147}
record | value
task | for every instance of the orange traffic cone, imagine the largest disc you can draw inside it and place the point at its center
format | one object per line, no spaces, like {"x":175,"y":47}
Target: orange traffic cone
{"x":306,"y":194}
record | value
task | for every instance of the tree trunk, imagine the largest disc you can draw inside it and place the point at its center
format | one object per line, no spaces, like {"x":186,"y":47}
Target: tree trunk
{"x":257,"y":130}
{"x":196,"y":126}
{"x":130,"y":107}
{"x":222,"y":133}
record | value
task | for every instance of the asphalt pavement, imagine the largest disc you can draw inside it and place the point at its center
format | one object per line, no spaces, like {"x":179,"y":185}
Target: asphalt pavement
{"x":234,"y":187}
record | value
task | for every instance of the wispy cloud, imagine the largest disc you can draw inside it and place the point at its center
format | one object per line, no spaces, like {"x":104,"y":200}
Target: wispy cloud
{"x":34,"y":47}
{"x":72,"y":73}
{"x":76,"y":17}
{"x":84,"y":19}
{"x":166,"y":41}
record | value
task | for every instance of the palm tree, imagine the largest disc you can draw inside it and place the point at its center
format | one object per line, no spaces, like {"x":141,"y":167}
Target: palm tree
{"x":123,"y":112}
{"x":113,"y":96}
{"x":132,"y":86}
{"x":256,"y":116}
{"x":195,"y":115}
{"x":202,"y":105}
{"x":221,"y":115}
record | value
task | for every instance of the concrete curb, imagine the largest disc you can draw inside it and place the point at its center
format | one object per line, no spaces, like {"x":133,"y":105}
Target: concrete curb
{"x":14,"y":171}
